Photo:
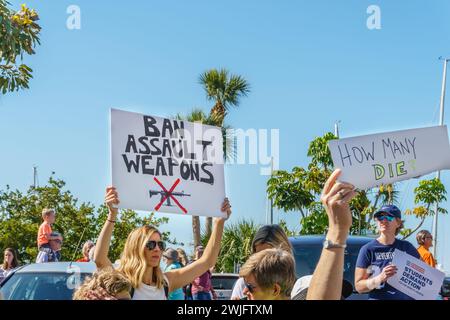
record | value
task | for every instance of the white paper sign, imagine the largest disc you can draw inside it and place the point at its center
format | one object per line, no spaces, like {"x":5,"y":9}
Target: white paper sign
{"x":372,"y":160}
{"x":167,"y":165}
{"x":415,"y":278}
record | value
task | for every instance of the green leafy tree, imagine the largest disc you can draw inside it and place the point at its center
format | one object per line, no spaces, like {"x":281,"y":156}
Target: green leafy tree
{"x":426,"y":194}
{"x":19,"y":35}
{"x":20,"y":217}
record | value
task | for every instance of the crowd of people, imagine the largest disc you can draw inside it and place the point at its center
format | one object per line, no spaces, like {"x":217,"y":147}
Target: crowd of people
{"x":268,"y":274}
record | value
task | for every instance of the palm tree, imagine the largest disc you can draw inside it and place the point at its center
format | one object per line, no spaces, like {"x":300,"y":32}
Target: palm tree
{"x":225,"y":90}
{"x":237,"y":243}
{"x":229,"y":151}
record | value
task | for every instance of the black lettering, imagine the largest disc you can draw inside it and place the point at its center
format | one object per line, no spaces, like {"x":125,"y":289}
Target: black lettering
{"x":388,"y":144}
{"x":404,"y":147}
{"x":195,"y":171}
{"x":150,"y":129}
{"x":360,"y":153}
{"x":396,"y":148}
{"x":346,"y":157}
{"x":368,"y":154}
{"x":178,"y":153}
{"x":172,"y":164}
{"x":210,"y":179}
{"x":131,"y":143}
{"x":157,"y":151}
{"x":167,"y":126}
{"x":142,"y":141}
{"x":204,"y":144}
{"x":160,"y":168}
{"x":166,"y":148}
{"x":145,"y":163}
{"x":184,"y":170}
{"x":131,"y":164}
{"x":188,"y":155}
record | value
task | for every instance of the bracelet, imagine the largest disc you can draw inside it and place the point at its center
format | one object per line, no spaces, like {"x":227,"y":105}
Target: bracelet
{"x":112,"y":221}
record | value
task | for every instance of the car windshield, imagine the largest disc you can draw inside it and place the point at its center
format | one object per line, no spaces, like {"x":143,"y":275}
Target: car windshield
{"x":307,"y":256}
{"x":223,"y":283}
{"x":41,"y":286}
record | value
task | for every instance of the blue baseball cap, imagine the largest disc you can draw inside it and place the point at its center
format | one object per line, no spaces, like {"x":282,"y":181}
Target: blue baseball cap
{"x":390,"y":210}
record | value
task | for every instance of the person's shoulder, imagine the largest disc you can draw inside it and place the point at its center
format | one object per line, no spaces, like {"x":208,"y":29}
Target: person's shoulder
{"x":369,"y":245}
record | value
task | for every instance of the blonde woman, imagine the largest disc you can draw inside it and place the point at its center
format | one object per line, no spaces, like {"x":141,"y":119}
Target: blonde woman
{"x":141,"y":256}
{"x":106,"y":284}
{"x":267,"y":237}
{"x":425,"y":242}
{"x":88,"y":245}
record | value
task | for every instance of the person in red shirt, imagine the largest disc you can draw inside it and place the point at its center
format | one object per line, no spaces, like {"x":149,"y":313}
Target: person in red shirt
{"x":88,"y":245}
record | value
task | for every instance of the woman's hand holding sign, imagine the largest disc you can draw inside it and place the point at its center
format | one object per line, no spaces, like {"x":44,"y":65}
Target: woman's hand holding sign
{"x":112,"y":200}
{"x":226,"y":207}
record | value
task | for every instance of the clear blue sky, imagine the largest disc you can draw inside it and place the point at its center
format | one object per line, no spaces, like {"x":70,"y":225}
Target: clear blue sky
{"x":309,"y":63}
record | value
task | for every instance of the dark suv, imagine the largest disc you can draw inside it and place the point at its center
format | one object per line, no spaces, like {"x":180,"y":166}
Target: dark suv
{"x":307,"y":251}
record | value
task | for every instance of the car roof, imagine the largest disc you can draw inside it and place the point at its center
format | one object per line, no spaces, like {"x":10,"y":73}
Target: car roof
{"x":318,"y":239}
{"x":230,"y":275}
{"x":63,"y":267}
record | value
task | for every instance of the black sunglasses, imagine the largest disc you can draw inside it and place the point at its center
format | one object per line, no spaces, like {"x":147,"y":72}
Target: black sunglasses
{"x":151,"y":245}
{"x":250,"y":287}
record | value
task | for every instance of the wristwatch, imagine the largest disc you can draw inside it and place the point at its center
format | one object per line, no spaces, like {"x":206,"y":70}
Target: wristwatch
{"x":328,"y":244}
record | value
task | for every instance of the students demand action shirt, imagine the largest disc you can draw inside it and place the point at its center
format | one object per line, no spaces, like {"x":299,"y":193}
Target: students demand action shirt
{"x":375,"y":256}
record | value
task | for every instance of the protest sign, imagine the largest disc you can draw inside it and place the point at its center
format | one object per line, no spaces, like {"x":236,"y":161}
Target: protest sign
{"x":415,"y":278}
{"x":371,"y":160}
{"x":167,"y":165}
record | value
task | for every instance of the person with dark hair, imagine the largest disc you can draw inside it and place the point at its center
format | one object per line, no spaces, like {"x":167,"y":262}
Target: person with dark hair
{"x":10,"y":262}
{"x":425,"y":242}
{"x":201,"y":287}
{"x":267,"y":237}
{"x":374,"y":265}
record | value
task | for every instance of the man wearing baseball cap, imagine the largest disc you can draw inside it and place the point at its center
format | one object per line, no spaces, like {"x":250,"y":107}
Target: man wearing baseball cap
{"x":374,"y":265}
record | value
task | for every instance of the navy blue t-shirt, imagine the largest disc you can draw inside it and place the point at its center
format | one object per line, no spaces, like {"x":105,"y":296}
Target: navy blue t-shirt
{"x":376,"y":257}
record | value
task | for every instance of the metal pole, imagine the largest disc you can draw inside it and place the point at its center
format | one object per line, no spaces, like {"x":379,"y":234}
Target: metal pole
{"x":336,"y":129}
{"x":438,"y":175}
{"x":271,"y":200}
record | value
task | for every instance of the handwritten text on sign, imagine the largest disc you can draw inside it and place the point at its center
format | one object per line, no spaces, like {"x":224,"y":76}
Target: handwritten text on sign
{"x":167,"y":165}
{"x":371,"y":160}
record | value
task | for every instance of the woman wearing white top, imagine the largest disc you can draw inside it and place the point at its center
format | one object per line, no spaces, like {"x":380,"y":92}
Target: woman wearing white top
{"x":9,"y":263}
{"x":141,"y":256}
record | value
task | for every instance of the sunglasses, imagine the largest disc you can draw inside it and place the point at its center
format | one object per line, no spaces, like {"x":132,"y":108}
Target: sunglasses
{"x":250,"y":287}
{"x":386,"y":218}
{"x":151,"y":245}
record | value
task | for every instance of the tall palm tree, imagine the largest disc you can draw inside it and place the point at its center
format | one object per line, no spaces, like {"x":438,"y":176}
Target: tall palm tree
{"x":229,"y":151}
{"x":225,"y":90}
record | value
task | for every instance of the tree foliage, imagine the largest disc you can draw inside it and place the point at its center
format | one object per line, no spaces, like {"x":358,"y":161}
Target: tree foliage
{"x":20,"y":217}
{"x":19,"y":35}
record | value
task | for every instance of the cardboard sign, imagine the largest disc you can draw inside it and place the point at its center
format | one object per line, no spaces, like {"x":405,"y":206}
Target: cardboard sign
{"x":372,"y":160}
{"x":167,"y":165}
{"x":416,"y":278}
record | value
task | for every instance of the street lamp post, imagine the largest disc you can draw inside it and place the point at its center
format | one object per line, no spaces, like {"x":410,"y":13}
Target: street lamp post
{"x":438,"y":175}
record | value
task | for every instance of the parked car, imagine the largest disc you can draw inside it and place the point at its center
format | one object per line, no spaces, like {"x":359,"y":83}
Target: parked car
{"x":45,"y":281}
{"x":223,"y":284}
{"x":445,"y":290}
{"x":307,"y":251}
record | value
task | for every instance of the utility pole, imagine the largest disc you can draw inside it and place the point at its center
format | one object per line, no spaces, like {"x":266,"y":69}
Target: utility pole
{"x":438,"y":175}
{"x":271,"y":200}
{"x":336,"y":128}
{"x":35,"y":177}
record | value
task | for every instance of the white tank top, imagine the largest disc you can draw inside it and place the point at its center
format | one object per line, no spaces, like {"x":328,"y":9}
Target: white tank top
{"x":146,"y":292}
